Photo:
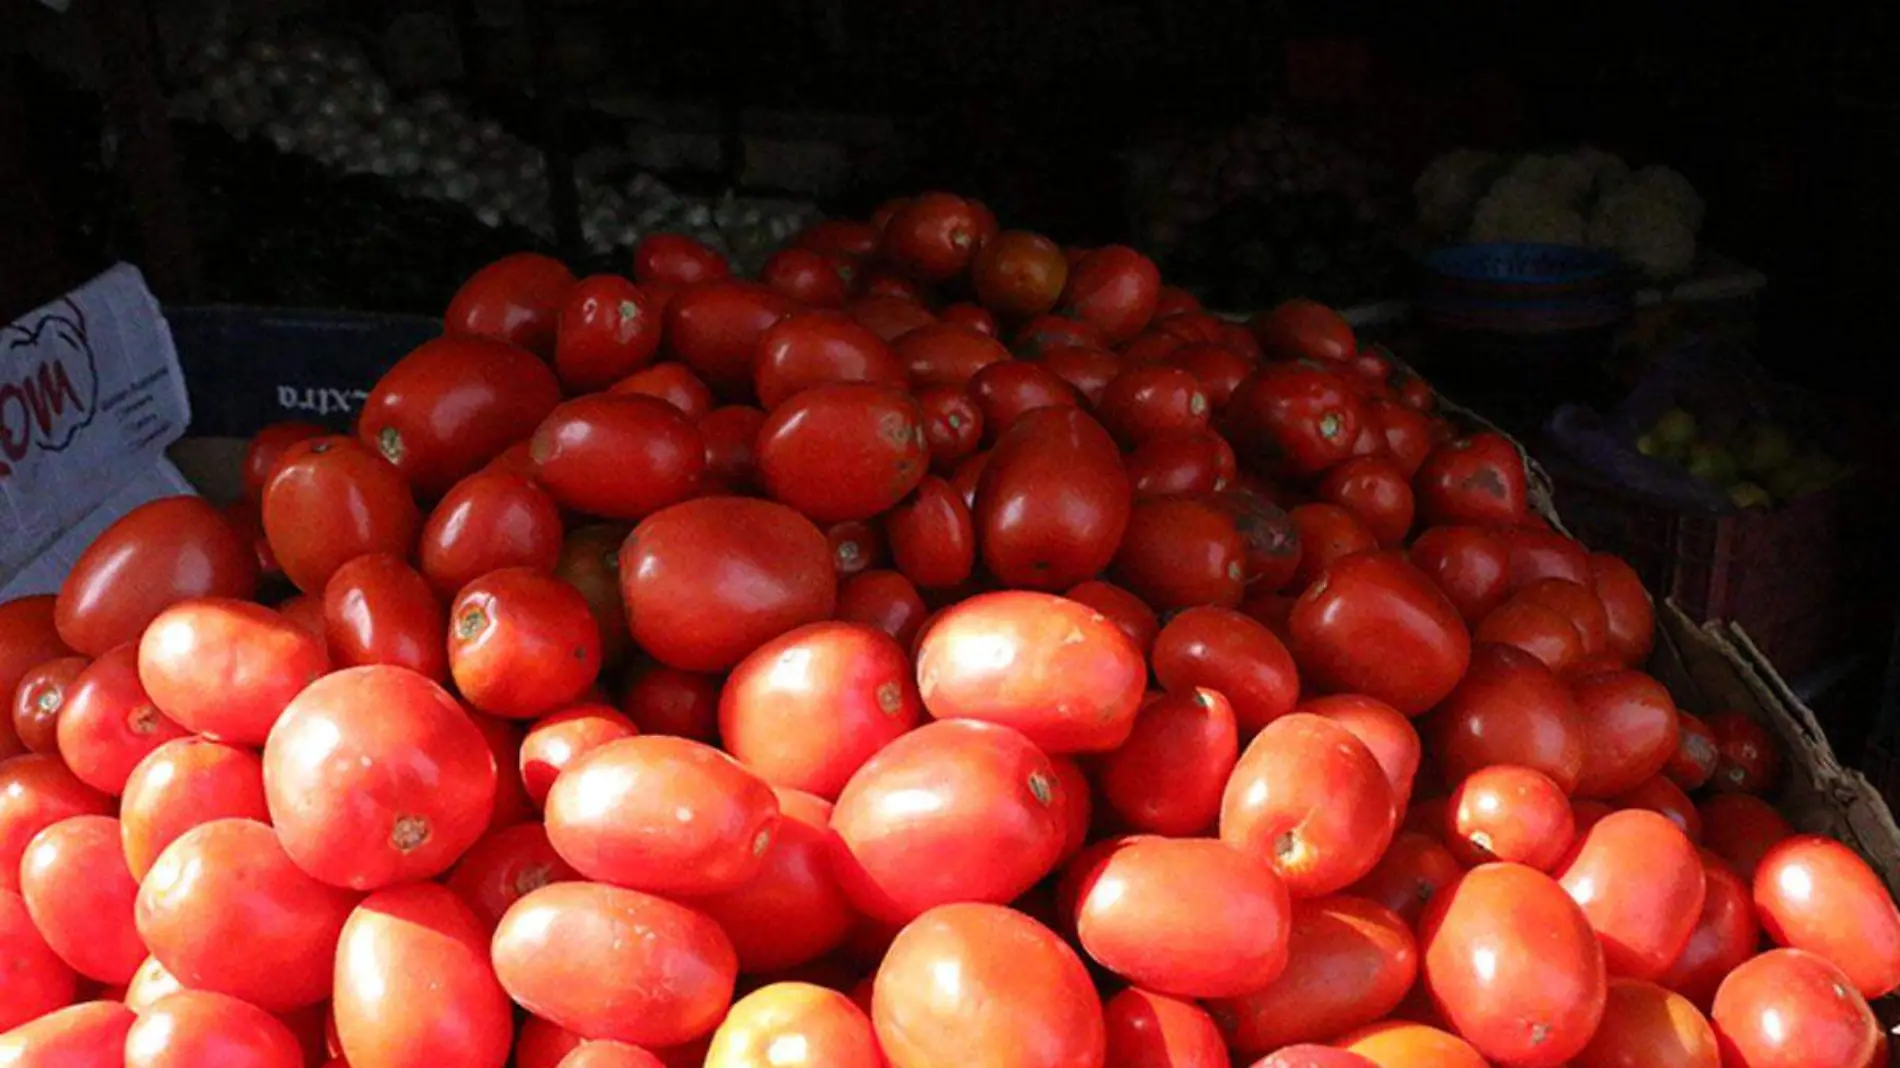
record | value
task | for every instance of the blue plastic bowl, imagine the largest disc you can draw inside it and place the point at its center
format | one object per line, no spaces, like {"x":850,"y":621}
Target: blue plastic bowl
{"x":1524,"y":289}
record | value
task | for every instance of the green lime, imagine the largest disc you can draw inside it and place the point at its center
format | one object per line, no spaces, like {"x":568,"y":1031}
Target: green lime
{"x":1711,"y":463}
{"x":1648,"y":445}
{"x":1675,"y":428}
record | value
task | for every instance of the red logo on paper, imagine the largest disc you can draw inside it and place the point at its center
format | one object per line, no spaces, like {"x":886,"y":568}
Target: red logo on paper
{"x":52,"y":388}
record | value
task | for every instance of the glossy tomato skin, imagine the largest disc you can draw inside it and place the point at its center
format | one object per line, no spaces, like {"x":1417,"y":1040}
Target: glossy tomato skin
{"x":379,"y":610}
{"x":947,"y":355}
{"x":1311,"y":800}
{"x":793,"y":911}
{"x":1151,"y":399}
{"x":156,"y":555}
{"x":414,"y":986}
{"x":1375,"y":491}
{"x":76,"y":886}
{"x":975,"y":983}
{"x":90,"y":1034}
{"x":193,"y":1027}
{"x":715,"y":329}
{"x":1373,"y":624}
{"x":375,"y":775}
{"x":1053,"y":501}
{"x":664,"y":700}
{"x":1019,"y":275}
{"x":39,"y":699}
{"x":1693,"y":763}
{"x":1512,"y":964}
{"x":1726,"y":933}
{"x":332,"y":500}
{"x":38,"y":981}
{"x":1274,"y":552}
{"x":1478,"y":481}
{"x":608,"y":329}
{"x":522,"y":643}
{"x":1509,"y":709}
{"x":1128,"y":612}
{"x":1296,"y":418}
{"x":1326,"y":532}
{"x":1233,"y":655}
{"x":889,"y":317}
{"x":1471,"y":565}
{"x":36,"y":792}
{"x":1789,"y":1007}
{"x":1816,"y":894}
{"x":618,"y":457}
{"x":1350,"y":963}
{"x":1510,"y":813}
{"x":676,"y":259}
{"x":1401,"y":1044}
{"x":451,"y":405}
{"x":504,"y":866}
{"x":1188,"y":463}
{"x":1088,"y":370}
{"x":516,"y":300}
{"x":226,"y":669}
{"x":224,"y":909}
{"x":109,"y":722}
{"x":488,"y":521}
{"x":1639,"y":882}
{"x":267,"y":447}
{"x":673,"y":384}
{"x":1545,"y":554}
{"x":1005,"y":390}
{"x":1388,"y":735}
{"x":1150,"y":1030}
{"x":710,"y":580}
{"x":1178,"y":553}
{"x":884,"y":600}
{"x":1645,"y":1024}
{"x":1168,"y":776}
{"x":610,"y":963}
{"x":1626,"y":605}
{"x":562,"y":737}
{"x":811,"y":278}
{"x":1305,"y":329}
{"x":1536,"y":629}
{"x":1046,"y":332}
{"x":1114,"y":290}
{"x":845,"y":451}
{"x":1630,"y":730}
{"x":1217,"y":367}
{"x":1742,"y":829}
{"x":1750,"y":754}
{"x":1414,"y":868}
{"x":932,"y":536}
{"x":932,"y":236}
{"x":821,"y":348}
{"x":953,"y":426}
{"x":731,"y":434}
{"x":795,"y":1025}
{"x":1071,"y":682}
{"x":991,"y":830}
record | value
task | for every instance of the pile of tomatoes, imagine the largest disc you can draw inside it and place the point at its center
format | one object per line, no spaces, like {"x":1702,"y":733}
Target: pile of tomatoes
{"x":950,"y":650}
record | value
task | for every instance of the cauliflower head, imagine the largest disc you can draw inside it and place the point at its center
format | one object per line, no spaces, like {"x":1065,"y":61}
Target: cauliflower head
{"x":1668,"y":184}
{"x":1521,"y":209}
{"x":1448,"y":188}
{"x":1647,"y":228}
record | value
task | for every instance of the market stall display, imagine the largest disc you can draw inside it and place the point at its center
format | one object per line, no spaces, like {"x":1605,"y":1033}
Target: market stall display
{"x":952,"y":649}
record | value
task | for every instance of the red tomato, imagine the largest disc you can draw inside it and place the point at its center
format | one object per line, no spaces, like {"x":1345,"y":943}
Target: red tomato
{"x":844,"y":236}
{"x":267,"y":447}
{"x":710,"y":580}
{"x":374,"y":775}
{"x":1639,"y":881}
{"x":1509,"y":709}
{"x":1535,"y":629}
{"x":1478,"y":480}
{"x":1187,"y":463}
{"x":38,"y":981}
{"x":953,"y":426}
{"x":1390,"y":736}
{"x":330,"y":501}
{"x":109,"y":723}
{"x":1218,"y":369}
{"x":1088,"y":370}
{"x":1144,"y":401}
{"x":181,"y":784}
{"x":516,"y":299}
{"x":1114,"y":290}
{"x":35,"y":793}
{"x":731,"y":435}
{"x":590,"y":562}
{"x":715,"y":329}
{"x":1374,"y":490}
{"x":74,"y":882}
{"x":1311,"y":800}
{"x":1297,"y":418}
{"x":1373,"y":624}
{"x":846,"y":451}
{"x":41,"y":695}
{"x":1149,"y":1030}
{"x":1397,"y":1044}
{"x":1173,"y":300}
{"x":90,"y":1034}
{"x":1307,"y":1055}
{"x":379,"y":610}
{"x":488,"y":521}
{"x":1167,"y":778}
{"x":522,"y":643}
{"x":1003,"y":391}
{"x":821,"y":348}
{"x":451,"y":406}
{"x":675,"y":384}
{"x":1505,"y":812}
{"x":226,"y":668}
{"x":1693,"y":763}
{"x":811,"y":278}
{"x":194,"y":1027}
{"x":608,"y":329}
{"x":664,"y":700}
{"x":1546,"y":554}
{"x":970,"y":316}
{"x":889,"y":317}
{"x":1513,"y":965}
{"x":609,"y":963}
{"x":1751,"y":757}
{"x":795,"y":1025}
{"x":541,"y":1044}
{"x":1326,"y":532}
{"x":793,"y":911}
{"x":1726,"y":934}
{"x":1791,"y":1009}
{"x":225,"y":910}
{"x":1233,"y":655}
{"x":1742,"y":829}
{"x":620,"y":457}
{"x":1305,"y":330}
{"x":1019,"y":275}
{"x":1470,"y":564}
{"x":1814,"y":893}
{"x":933,"y":538}
{"x":1046,"y":332}
{"x":1274,"y":552}
{"x":611,"y":1055}
{"x":1659,"y":795}
{"x":156,"y":555}
{"x":1189,"y":917}
{"x":1177,"y":553}
{"x":933,"y":236}
{"x":1414,"y":868}
{"x":505,"y":866}
{"x":1627,"y":609}
{"x":984,"y":984}
{"x":560,"y":738}
{"x":1629,"y":731}
{"x":947,"y":355}
{"x":1350,"y":962}
{"x":1645,"y":1024}
{"x":677,"y":260}
{"x":953,"y":811}
{"x":503,"y":738}
{"x":661,"y":814}
{"x":884,"y":600}
{"x":1407,"y":434}
{"x":1052,"y":502}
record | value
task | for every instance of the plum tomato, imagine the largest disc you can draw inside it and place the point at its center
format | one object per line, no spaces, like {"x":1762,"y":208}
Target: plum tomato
{"x":675,"y":384}
{"x":1127,"y":611}
{"x":38,"y":981}
{"x":1052,"y":502}
{"x":811,"y":278}
{"x":676,"y":259}
{"x":794,"y":1025}
{"x":664,"y":700}
{"x":79,"y":892}
{"x":332,"y":500}
{"x":1646,"y":1024}
{"x":90,"y":1034}
{"x":1150,"y":1030}
{"x":194,"y":1027}
{"x":715,"y":329}
{"x":1179,"y":553}
{"x":1388,"y":734}
{"x":1019,"y":275}
{"x":1788,"y":1008}
{"x":504,"y":866}
{"x":1626,"y":605}
{"x":947,"y":355}
{"x":488,"y":521}
{"x":36,"y":792}
{"x":1217,"y":367}
{"x":109,"y":722}
{"x":563,"y":737}
{"x":1152,"y":399}
{"x":618,"y":457}
{"x":156,"y":555}
{"x":1294,"y":418}
{"x":1536,"y":629}
{"x":1167,"y":778}
{"x":1657,"y":794}
{"x":522,"y":643}
{"x":1374,"y":624}
{"x":1727,"y":932}
{"x":1475,"y":481}
{"x":267,"y":446}
{"x":38,"y":700}
{"x":1415,"y":867}
{"x":1750,"y":754}
{"x":932,"y":536}
{"x":1305,"y":330}
{"x":1311,"y":800}
{"x":1403,"y":1044}
{"x":1630,"y":730}
{"x":1325,"y":532}
{"x":821,"y":348}
{"x":1274,"y":552}
{"x":1375,"y":491}
{"x":953,"y":426}
{"x":1638,"y":880}
{"x":1509,"y":709}
{"x":379,"y":610}
{"x":181,"y":784}
{"x":608,"y":329}
{"x":1005,"y":390}
{"x":1471,"y":565}
{"x":1407,"y":434}
{"x":731,"y":434}
{"x":225,"y":668}
{"x":1742,"y":829}
{"x":1695,"y":757}
{"x":1233,"y":655}
{"x":1545,"y":554}
{"x":932,"y":237}
{"x":1816,"y":894}
{"x":1088,"y":370}
{"x":1187,"y":463}
{"x":843,"y":451}
{"x":972,"y":316}
{"x":516,"y":300}
{"x":1046,"y":332}
{"x":1510,"y":813}
{"x":890,"y":317}
{"x":792,"y":912}
{"x":1113,"y":289}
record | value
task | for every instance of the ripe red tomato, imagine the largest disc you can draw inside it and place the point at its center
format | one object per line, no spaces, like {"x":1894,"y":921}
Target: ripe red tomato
{"x":1296,"y":418}
{"x":1178,"y":553}
{"x":794,"y":1025}
{"x":710,"y":580}
{"x":1406,"y":433}
{"x":1742,"y":829}
{"x":1231,"y":654}
{"x":1630,"y":727}
{"x":984,"y":984}
{"x":793,"y":911}
{"x":503,"y":739}
{"x":522,"y":643}
{"x":1814,"y":893}
{"x":932,"y":536}
{"x":1726,"y":933}
{"x":1114,"y":290}
{"x":933,"y":236}
{"x":1390,"y":736}
{"x":38,"y":981}
{"x":1305,"y":329}
{"x":1217,"y":367}
{"x":1307,"y":1055}
{"x":109,"y":723}
{"x":1511,"y":813}
{"x":1088,"y":370}
{"x":1791,"y":1009}
{"x":225,"y":668}
{"x":677,"y":260}
{"x":1311,"y":800}
{"x":1630,"y":616}
{"x":619,"y":457}
{"x":1274,"y":552}
{"x":1693,"y":763}
{"x":608,"y":329}
{"x":503,"y":867}
{"x":1147,"y":400}
{"x":731,"y":434}
{"x":451,"y":406}
{"x":90,"y":1034}
{"x":947,"y":355}
{"x":1046,"y":332}
{"x":1190,"y":917}
{"x":1477,"y":480}
{"x":664,"y":700}
{"x":181,"y":784}
{"x":1004,"y":390}
{"x":560,"y":738}
{"x":1657,"y":794}
{"x":889,"y":317}
{"x":844,"y":451}
{"x":1150,"y":1030}
{"x":1373,"y":624}
{"x":673,"y":383}
{"x":845,"y":236}
{"x":1413,"y":870}
{"x":953,"y":811}
{"x":225,"y":910}
{"x":541,"y":1044}
{"x":516,"y":299}
{"x":1471,"y":565}
{"x":1400,"y":1044}
{"x":1187,"y":463}
{"x":953,"y":426}
{"x":1533,"y":628}
{"x":39,"y":698}
{"x":35,"y":793}
{"x":374,"y":776}
{"x":379,"y":610}
{"x":1019,"y":275}
{"x":811,"y":278}
{"x":1646,"y":1024}
{"x":1751,"y":756}
{"x":715,"y":329}
{"x":156,"y":555}
{"x":1375,"y":491}
{"x":1509,"y":709}
{"x":1349,"y":963}
{"x":1511,"y":962}
{"x":821,"y":348}
{"x":1639,"y":881}
{"x":76,"y":887}
{"x":610,"y":963}
{"x":1052,"y":502}
{"x":1167,"y":778}
{"x":1325,"y":532}
{"x":856,"y":546}
{"x":266,"y":447}
{"x":1546,"y":554}
{"x":195,"y":1027}
{"x":330,"y":501}
{"x":488,"y":521}
{"x":885,"y":600}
